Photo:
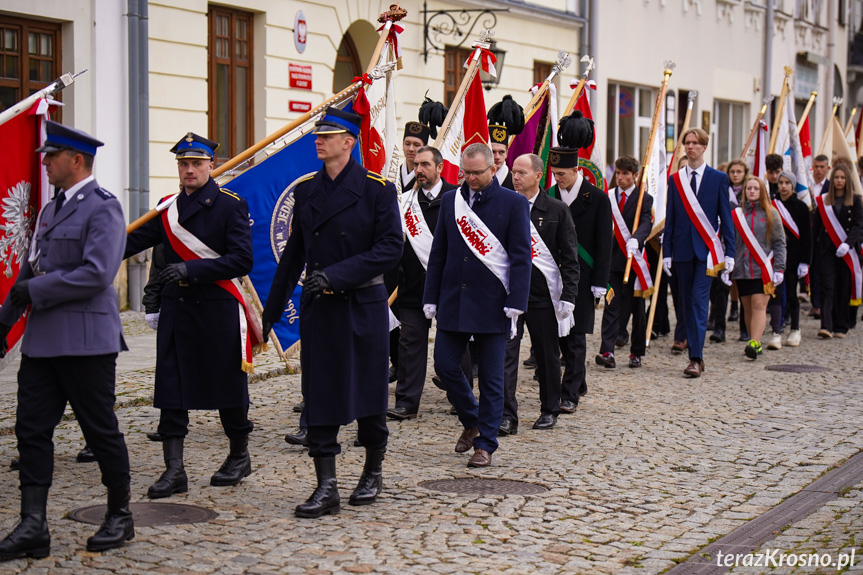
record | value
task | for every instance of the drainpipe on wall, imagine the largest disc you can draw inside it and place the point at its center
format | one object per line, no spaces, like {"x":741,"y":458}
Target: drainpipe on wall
{"x":768,"y":54}
{"x":827,"y":108}
{"x":138,"y":140}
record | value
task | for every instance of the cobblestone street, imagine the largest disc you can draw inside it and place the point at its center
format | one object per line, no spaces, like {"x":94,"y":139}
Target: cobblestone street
{"x":651,"y":468}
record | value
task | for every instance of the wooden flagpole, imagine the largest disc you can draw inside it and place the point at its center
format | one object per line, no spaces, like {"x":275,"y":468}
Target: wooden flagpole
{"x":579,"y":88}
{"x":642,"y":180}
{"x":755,"y":127}
{"x":678,"y":149}
{"x":828,"y":133}
{"x":780,"y":112}
{"x":805,"y":114}
{"x":850,"y":125}
{"x":348,"y":92}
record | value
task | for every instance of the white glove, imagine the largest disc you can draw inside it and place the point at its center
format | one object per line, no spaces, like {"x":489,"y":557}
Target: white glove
{"x":802,"y":270}
{"x":729,"y":264}
{"x":598,"y":292}
{"x":564,"y":310}
{"x":631,"y":247}
{"x":430,"y":310}
{"x":842,"y":250}
{"x":152,"y":320}
{"x":726,"y":277}
{"x":666,"y":265}
{"x":511,"y":313}
{"x":778,"y":277}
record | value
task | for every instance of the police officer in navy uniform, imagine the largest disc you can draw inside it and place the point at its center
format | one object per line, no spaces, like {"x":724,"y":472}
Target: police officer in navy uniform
{"x":347,"y":233}
{"x":71,"y":341}
{"x":199,"y":364}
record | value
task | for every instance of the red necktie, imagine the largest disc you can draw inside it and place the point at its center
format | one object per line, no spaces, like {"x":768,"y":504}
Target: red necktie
{"x":622,"y":201}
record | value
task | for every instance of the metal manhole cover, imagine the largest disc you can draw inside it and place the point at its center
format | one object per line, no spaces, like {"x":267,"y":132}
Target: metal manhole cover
{"x":484,"y":486}
{"x":149,"y":514}
{"x":797,"y":368}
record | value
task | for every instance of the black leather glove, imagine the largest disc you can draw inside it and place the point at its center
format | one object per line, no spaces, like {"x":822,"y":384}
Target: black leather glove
{"x":19,"y":295}
{"x":316,"y":282}
{"x":267,"y":327}
{"x":4,"y":345}
{"x":174,"y":273}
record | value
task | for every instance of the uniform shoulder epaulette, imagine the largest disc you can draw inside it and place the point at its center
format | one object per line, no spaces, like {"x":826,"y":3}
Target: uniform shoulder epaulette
{"x":307,"y":178}
{"x":377,"y":178}
{"x":228,"y":192}
{"x":104,"y":194}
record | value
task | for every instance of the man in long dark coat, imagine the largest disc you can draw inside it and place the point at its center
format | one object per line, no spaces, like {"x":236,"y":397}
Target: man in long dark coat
{"x":201,"y":353}
{"x":347,"y":233}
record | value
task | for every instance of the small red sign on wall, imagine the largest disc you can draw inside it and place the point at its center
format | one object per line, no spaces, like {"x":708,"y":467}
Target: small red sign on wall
{"x":295,"y":106}
{"x":300,"y":76}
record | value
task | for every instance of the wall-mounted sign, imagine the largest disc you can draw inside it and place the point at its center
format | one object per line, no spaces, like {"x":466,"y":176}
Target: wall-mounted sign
{"x":300,"y":76}
{"x":300,"y":30}
{"x":295,"y":106}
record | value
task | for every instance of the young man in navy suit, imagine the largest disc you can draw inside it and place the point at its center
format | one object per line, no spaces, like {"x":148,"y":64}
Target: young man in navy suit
{"x":688,"y":244}
{"x":477,"y":284}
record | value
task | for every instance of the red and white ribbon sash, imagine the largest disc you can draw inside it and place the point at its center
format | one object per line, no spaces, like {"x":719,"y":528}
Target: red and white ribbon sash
{"x":486,"y":58}
{"x":544,"y":262}
{"x":393,"y":36}
{"x":715,"y":253}
{"x":838,"y":236}
{"x":189,"y":247}
{"x":643,"y":282}
{"x":787,"y":220}
{"x":755,"y":249}
{"x":416,"y":228}
{"x":484,"y":245}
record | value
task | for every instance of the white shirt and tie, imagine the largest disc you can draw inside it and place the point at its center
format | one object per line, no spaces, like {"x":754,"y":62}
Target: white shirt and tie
{"x":699,"y":175}
{"x":432,"y":193}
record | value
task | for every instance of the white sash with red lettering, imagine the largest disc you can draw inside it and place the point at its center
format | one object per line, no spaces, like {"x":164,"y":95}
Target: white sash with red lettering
{"x":189,"y":247}
{"x":543,"y":260}
{"x":787,"y":220}
{"x":838,"y":236}
{"x":416,"y":229}
{"x":755,"y":249}
{"x":643,"y":282}
{"x":484,"y":245}
{"x":715,"y":253}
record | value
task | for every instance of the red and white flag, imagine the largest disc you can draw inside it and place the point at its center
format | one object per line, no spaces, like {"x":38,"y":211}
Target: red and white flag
{"x":469,"y":124}
{"x":757,"y":157}
{"x":23,"y":191}
{"x":376,"y":105}
{"x":590,"y":158}
{"x":806,"y":147}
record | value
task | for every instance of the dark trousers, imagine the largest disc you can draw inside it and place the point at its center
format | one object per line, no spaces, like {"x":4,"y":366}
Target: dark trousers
{"x":835,"y":294}
{"x":679,"y":311}
{"x":413,"y":358}
{"x":616,"y":314}
{"x":693,"y":294}
{"x":235,"y":422}
{"x":791,"y":301}
{"x":542,"y":325}
{"x":574,"y":348}
{"x":815,"y":282}
{"x":718,"y":303}
{"x":372,"y":433}
{"x":486,"y":415}
{"x":45,"y":384}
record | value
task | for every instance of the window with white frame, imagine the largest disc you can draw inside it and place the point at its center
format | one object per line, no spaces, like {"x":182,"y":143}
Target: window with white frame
{"x":729,"y":130}
{"x":629,"y":117}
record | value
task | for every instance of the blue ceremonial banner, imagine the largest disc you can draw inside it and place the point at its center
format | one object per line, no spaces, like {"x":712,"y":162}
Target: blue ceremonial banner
{"x":268,"y":187}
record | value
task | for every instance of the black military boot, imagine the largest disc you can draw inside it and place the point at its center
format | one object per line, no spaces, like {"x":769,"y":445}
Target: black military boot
{"x":236,"y":466}
{"x":117,"y":528}
{"x":325,"y":498}
{"x":30,"y":537}
{"x":173,"y":479}
{"x":371,"y":482}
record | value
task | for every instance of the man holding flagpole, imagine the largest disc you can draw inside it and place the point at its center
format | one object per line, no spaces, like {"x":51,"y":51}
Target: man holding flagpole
{"x":477,"y":284}
{"x":698,"y":207}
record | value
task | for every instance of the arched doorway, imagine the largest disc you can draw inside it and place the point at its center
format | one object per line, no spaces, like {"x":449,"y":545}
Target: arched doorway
{"x":354,"y":52}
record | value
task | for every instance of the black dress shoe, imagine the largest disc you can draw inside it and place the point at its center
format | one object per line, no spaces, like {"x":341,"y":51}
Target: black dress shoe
{"x":453,"y":410}
{"x":634,"y":360}
{"x":711,"y":325}
{"x":301,"y":437}
{"x":606,"y":360}
{"x":399,"y":412}
{"x":394,"y":374}
{"x":155,"y":436}
{"x":622,"y":340}
{"x":744,"y":336}
{"x":718,"y":336}
{"x":508,"y":427}
{"x":438,"y":383}
{"x":86,"y":455}
{"x":14,"y":465}
{"x":545,"y":421}
{"x":567,"y":406}
{"x":298,"y":408}
{"x":530,"y":361}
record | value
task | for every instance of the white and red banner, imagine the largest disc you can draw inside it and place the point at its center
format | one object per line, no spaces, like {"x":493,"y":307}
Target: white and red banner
{"x":24,"y":190}
{"x":757,"y":160}
{"x":376,"y":104}
{"x":715,"y":253}
{"x":787,"y":220}
{"x":416,"y":228}
{"x":657,"y":175}
{"x":838,"y":236}
{"x":590,"y":158}
{"x":469,"y":126}
{"x":755,"y":249}
{"x":643,"y":282}
{"x":806,"y":148}
{"x":788,"y":145}
{"x":543,"y":260}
